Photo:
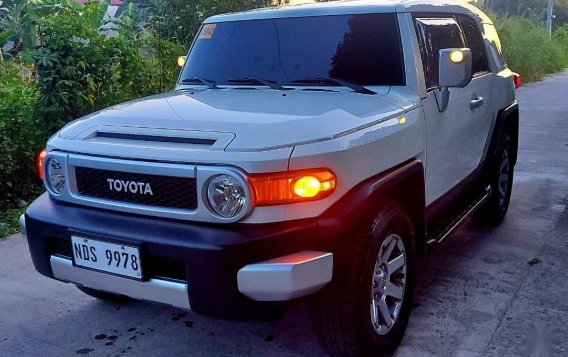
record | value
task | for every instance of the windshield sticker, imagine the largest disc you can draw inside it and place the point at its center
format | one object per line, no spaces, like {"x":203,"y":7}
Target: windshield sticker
{"x":207,"y":31}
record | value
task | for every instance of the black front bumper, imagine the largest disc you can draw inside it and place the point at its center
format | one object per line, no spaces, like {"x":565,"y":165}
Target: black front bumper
{"x":205,"y":256}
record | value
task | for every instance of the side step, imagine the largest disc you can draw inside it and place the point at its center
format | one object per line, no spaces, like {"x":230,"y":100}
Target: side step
{"x":454,"y":221}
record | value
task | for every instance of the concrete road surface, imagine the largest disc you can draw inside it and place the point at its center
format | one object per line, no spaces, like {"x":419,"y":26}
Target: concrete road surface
{"x":476,"y":295}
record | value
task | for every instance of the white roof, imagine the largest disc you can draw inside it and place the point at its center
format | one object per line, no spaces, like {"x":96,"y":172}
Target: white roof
{"x":354,"y":7}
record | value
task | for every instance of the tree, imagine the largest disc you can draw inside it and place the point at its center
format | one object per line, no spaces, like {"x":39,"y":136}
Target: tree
{"x":179,"y":20}
{"x":535,"y":9}
{"x":19,"y":19}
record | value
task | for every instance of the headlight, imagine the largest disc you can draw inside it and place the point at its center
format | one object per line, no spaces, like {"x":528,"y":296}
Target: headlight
{"x":55,"y":176}
{"x":226,"y":195}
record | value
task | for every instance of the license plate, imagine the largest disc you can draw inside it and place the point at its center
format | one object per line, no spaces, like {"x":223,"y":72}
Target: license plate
{"x":119,"y":259}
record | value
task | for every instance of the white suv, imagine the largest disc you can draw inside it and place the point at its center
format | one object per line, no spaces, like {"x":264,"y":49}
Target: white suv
{"x":314,"y":150}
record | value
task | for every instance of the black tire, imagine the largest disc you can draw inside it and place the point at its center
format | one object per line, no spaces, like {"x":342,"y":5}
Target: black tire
{"x":493,"y":212}
{"x":342,"y":313}
{"x":103,"y":295}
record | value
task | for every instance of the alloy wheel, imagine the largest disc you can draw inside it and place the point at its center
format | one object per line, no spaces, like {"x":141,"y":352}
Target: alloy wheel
{"x":388,"y":284}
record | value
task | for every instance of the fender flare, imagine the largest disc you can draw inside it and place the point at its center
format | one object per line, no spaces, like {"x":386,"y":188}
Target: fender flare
{"x":507,"y":121}
{"x":403,"y":185}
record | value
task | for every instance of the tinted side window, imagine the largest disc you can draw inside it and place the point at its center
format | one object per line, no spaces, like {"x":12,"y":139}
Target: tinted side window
{"x":435,"y":34}
{"x":474,"y":41}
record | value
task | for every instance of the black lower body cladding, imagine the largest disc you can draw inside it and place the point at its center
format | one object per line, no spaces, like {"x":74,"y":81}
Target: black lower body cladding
{"x":210,"y":255}
{"x":206,"y":256}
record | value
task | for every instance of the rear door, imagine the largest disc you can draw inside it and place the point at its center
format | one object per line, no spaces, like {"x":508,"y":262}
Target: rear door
{"x":455,"y":138}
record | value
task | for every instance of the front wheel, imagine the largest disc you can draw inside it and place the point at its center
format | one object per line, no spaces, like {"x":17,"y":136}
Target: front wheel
{"x":366,"y":309}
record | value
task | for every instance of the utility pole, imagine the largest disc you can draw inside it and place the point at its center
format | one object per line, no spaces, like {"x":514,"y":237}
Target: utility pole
{"x":549,"y":17}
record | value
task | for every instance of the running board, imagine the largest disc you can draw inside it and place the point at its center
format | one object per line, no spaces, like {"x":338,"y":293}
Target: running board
{"x":460,"y":218}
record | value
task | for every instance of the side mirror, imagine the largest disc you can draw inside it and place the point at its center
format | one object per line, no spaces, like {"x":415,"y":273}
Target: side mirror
{"x":181,"y":60}
{"x":455,"y":71}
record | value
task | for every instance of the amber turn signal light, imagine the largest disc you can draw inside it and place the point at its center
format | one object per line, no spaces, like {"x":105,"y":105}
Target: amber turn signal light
{"x":292,"y":187}
{"x":40,"y":159}
{"x":456,"y":56}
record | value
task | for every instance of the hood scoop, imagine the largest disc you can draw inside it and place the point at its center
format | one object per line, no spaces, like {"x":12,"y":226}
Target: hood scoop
{"x":156,"y":138}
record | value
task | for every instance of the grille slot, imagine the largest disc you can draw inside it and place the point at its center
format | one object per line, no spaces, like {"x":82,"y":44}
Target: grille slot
{"x":61,"y":247}
{"x":167,"y":191}
{"x":160,"y":267}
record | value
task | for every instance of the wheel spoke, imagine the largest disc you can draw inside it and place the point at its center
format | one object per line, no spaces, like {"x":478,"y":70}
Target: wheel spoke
{"x":388,"y":251}
{"x":394,"y":290}
{"x":374,"y":312}
{"x":396,"y":264}
{"x":385,"y":313}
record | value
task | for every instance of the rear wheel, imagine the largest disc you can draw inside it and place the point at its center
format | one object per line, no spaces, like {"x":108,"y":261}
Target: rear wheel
{"x":103,"y":295}
{"x":366,"y":309}
{"x":501,"y":180}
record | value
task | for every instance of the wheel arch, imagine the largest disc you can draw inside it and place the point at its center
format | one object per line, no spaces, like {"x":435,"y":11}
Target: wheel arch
{"x":403,"y":185}
{"x":507,"y":122}
{"x":408,"y":191}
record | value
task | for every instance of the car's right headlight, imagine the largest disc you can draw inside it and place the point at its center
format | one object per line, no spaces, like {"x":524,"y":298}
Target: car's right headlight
{"x":226,"y":195}
{"x":55,"y":176}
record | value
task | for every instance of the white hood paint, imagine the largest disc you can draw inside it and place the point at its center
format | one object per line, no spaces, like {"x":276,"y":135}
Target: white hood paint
{"x":259,"y":119}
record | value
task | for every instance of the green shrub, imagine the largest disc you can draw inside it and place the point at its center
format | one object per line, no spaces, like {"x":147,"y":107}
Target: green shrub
{"x":560,"y":37}
{"x":82,"y":70}
{"x":76,"y":70}
{"x":74,"y":64}
{"x":9,"y":223}
{"x":529,"y":50}
{"x":149,"y":66}
{"x":22,"y":135}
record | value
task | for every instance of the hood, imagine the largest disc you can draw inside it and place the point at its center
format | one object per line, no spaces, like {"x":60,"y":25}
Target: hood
{"x":242,"y":119}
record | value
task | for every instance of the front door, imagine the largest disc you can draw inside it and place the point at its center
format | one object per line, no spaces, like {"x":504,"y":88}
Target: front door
{"x":455,"y":138}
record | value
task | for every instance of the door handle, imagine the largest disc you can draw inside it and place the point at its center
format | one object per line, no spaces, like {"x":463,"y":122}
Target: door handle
{"x":476,"y":103}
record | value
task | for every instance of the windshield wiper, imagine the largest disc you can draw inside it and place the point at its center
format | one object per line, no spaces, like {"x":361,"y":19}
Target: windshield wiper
{"x":264,"y":82}
{"x":209,"y":83}
{"x":336,"y":81}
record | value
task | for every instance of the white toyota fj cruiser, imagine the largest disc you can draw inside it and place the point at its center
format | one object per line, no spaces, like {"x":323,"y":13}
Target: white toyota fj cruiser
{"x":313,"y":150}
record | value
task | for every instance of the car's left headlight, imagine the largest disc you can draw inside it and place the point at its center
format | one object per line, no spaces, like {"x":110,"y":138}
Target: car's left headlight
{"x":226,"y":195}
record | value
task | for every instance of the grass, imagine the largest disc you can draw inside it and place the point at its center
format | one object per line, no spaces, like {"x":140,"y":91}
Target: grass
{"x":9,"y":221}
{"x":529,"y":50}
{"x":11,"y":211}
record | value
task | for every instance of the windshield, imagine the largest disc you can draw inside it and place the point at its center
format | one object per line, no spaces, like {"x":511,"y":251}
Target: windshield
{"x":360,"y":49}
